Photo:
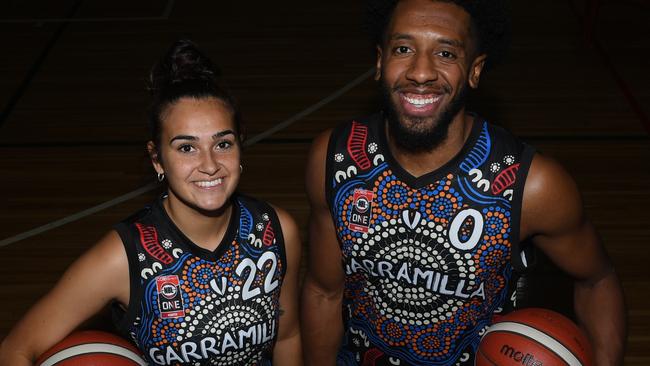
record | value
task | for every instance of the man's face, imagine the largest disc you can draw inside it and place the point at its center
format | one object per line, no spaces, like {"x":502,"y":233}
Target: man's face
{"x":425,"y":66}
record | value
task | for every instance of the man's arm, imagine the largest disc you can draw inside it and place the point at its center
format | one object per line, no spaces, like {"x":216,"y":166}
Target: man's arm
{"x":554,"y":218}
{"x":322,"y":322}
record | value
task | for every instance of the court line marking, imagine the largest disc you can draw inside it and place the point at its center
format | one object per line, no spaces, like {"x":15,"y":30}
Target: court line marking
{"x":600,"y":138}
{"x":603,"y":138}
{"x":607,"y":62}
{"x":36,"y":66}
{"x":164,"y":16}
{"x":151,"y":186}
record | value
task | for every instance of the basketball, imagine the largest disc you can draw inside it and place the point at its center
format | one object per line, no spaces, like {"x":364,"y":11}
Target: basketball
{"x":92,"y":348}
{"x":534,"y":337}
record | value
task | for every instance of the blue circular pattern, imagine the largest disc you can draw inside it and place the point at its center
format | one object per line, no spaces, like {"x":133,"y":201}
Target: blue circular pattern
{"x":493,"y":226}
{"x":393,"y":331}
{"x":429,"y":345}
{"x":166,"y":330}
{"x":397,"y":195}
{"x":443,"y":207}
{"x":199,"y":276}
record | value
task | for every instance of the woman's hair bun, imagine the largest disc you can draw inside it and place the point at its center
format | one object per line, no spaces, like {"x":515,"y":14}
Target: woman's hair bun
{"x":185,"y":72}
{"x":182,"y":63}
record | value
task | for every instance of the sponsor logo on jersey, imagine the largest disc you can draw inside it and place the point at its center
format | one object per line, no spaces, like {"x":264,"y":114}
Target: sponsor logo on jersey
{"x":170,"y":301}
{"x":361,"y":210}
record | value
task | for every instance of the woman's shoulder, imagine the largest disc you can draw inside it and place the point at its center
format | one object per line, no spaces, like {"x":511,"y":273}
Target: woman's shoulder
{"x":253,"y":204}
{"x":267,"y":211}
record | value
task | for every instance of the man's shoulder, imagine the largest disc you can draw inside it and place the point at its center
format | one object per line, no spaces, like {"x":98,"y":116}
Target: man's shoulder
{"x":501,"y":138}
{"x":496,"y":129}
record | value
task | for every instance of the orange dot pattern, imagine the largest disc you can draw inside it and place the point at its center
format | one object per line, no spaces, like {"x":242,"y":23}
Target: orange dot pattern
{"x":410,"y":223}
{"x":211,"y":291}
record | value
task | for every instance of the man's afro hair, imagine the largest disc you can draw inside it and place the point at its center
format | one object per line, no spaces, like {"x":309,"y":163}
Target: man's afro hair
{"x":491,"y":19}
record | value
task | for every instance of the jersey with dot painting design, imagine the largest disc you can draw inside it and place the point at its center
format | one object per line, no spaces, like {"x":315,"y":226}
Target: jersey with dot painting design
{"x":191,"y":306}
{"x":428,"y":260}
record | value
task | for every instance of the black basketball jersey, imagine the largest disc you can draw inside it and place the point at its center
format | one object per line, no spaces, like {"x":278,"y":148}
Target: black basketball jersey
{"x":191,"y":306}
{"x":429,"y":259}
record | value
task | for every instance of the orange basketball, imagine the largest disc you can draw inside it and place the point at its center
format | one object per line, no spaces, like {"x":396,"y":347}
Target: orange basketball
{"x":534,"y":337}
{"x":92,"y":348}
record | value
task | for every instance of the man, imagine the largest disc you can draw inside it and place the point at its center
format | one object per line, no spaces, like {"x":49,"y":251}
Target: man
{"x":418,"y":212}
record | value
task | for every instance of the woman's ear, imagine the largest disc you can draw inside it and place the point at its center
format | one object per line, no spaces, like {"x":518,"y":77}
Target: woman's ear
{"x":155,"y":157}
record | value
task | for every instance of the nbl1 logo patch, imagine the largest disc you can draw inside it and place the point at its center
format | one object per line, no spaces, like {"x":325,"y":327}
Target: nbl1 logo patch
{"x":170,"y":301}
{"x":361,"y":211}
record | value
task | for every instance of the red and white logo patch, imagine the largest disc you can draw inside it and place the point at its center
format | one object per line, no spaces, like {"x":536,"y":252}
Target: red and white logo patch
{"x":361,"y":212}
{"x":170,"y":301}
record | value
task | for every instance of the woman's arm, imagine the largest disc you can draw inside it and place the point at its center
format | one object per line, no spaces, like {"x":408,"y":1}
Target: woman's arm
{"x":97,"y":277}
{"x":288,"y":347}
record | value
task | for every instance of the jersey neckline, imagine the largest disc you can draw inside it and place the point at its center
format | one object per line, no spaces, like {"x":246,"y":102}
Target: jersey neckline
{"x":228,"y":237}
{"x":436,"y":174}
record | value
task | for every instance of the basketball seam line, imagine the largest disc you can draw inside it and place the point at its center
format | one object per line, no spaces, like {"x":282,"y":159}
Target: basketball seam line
{"x":558,"y":341}
{"x":89,"y":348}
{"x":537,"y":342}
{"x":546,"y":340}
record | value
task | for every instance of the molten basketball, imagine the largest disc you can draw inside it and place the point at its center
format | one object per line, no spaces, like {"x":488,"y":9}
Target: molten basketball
{"x":92,"y":348}
{"x":534,"y":337}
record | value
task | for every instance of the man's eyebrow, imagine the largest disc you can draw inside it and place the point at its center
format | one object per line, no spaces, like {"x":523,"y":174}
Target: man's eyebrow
{"x":447,"y":41}
{"x":400,"y":36}
{"x":451,"y":42}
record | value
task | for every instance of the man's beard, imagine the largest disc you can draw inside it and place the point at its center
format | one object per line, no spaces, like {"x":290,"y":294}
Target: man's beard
{"x":422,"y":139}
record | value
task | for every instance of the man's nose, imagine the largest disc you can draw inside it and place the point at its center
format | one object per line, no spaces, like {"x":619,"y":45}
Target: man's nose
{"x":422,"y":69}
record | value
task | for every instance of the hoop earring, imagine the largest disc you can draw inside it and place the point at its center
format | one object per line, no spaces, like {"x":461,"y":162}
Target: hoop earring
{"x":241,"y":169}
{"x":161,"y":177}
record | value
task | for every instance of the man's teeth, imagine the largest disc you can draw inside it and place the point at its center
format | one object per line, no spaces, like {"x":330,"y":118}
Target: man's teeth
{"x":422,"y":101}
{"x":208,"y":184}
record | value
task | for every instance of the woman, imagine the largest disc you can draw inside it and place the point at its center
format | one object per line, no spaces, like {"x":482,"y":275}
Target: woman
{"x":204,"y":276}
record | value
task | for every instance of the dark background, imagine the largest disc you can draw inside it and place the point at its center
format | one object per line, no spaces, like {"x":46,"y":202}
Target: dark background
{"x":73,"y":99}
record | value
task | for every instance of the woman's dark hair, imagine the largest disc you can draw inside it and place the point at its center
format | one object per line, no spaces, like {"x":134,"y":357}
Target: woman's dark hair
{"x":184,"y":71}
{"x":491,"y":20}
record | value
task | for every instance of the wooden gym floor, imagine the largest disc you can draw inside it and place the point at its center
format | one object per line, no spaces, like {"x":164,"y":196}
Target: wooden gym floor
{"x":72,"y":122}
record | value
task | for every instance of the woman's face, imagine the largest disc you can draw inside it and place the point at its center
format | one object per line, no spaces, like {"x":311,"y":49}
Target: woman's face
{"x":199,"y":153}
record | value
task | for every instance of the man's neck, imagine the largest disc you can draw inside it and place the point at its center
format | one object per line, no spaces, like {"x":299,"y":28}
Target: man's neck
{"x":421,"y":163}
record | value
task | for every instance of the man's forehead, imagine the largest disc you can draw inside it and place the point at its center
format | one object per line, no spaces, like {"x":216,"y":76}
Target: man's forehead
{"x":430,"y":12}
{"x":428,"y":16}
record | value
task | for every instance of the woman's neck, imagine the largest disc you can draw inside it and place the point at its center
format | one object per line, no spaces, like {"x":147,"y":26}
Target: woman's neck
{"x":205,"y":229}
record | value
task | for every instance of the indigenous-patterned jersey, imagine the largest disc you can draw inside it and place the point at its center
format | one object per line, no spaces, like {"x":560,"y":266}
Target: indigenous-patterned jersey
{"x":427,"y":259}
{"x":192,"y":306}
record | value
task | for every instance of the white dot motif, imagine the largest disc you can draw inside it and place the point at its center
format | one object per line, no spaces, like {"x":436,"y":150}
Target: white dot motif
{"x":495,"y":167}
{"x":338,"y":157}
{"x":372,"y":147}
{"x":141,"y":257}
{"x":167,"y":243}
{"x":260,"y":227}
{"x":509,"y":159}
